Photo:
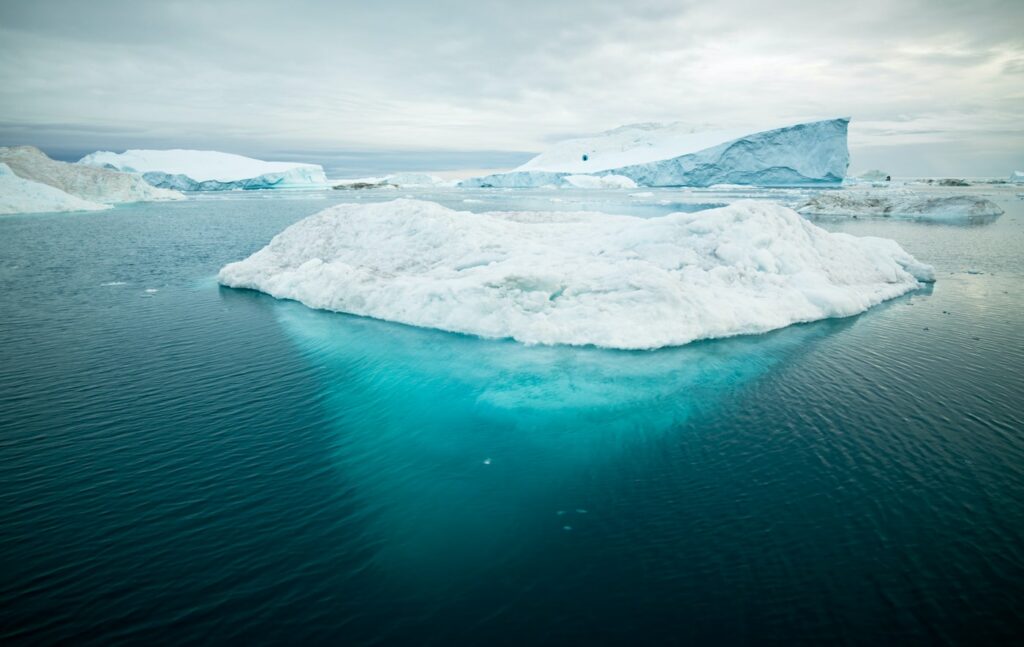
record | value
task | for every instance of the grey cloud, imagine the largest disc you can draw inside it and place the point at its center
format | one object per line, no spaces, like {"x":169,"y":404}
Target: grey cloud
{"x":326,"y":76}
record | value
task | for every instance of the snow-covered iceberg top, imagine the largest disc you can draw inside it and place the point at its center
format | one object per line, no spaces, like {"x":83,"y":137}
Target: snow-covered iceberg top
{"x":93,"y":184}
{"x":900,"y":203}
{"x":190,"y":170}
{"x":18,"y":195}
{"x":669,"y":155}
{"x":578,"y":278}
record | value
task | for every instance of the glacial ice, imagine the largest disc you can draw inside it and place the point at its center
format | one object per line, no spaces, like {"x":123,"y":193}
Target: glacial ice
{"x":578,"y":278}
{"x":599,"y":181}
{"x":92,"y":184}
{"x":812,"y":153}
{"x":18,"y":195}
{"x":899,"y":203}
{"x":191,"y":170}
{"x":1017,"y":176}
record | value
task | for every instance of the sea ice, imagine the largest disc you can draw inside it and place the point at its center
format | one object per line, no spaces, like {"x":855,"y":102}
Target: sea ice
{"x":94,"y":184}
{"x":18,"y":195}
{"x":672,"y":155}
{"x":899,"y":203}
{"x":599,"y":181}
{"x":190,"y":170}
{"x":578,"y":278}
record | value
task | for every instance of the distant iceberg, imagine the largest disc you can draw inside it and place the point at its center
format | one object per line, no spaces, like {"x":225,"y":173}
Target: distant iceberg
{"x":1017,"y":176}
{"x":874,"y":175}
{"x":18,"y":195}
{"x":599,"y":181}
{"x":189,"y":170}
{"x":578,"y":278}
{"x":92,"y":184}
{"x":904,"y":204}
{"x":812,"y":153}
{"x":393,"y":181}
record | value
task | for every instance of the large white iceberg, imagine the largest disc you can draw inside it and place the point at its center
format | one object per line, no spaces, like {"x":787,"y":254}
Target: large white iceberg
{"x":190,"y":170}
{"x":672,"y":155}
{"x":900,"y":203}
{"x":575,"y":277}
{"x":93,"y":184}
{"x":1017,"y":176}
{"x":18,"y":195}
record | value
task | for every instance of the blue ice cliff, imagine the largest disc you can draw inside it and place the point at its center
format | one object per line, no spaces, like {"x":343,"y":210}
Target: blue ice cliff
{"x":813,"y":153}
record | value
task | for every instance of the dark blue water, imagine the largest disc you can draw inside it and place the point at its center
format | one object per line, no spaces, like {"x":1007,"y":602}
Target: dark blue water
{"x":203,"y":464}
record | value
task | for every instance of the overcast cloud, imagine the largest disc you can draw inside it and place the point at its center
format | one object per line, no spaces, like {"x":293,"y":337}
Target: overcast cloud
{"x":933,"y":87}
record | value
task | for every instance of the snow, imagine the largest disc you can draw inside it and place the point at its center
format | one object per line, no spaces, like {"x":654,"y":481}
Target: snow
{"x":657,"y":155}
{"x":191,"y":170}
{"x":18,"y":195}
{"x":599,"y":181}
{"x":899,"y":203}
{"x":578,"y":278}
{"x":92,"y":184}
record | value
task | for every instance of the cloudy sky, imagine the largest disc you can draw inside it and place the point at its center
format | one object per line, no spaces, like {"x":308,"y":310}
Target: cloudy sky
{"x":934,"y":88}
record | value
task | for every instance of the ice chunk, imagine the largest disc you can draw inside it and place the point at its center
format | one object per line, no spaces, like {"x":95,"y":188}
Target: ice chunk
{"x":578,"y":278}
{"x":1017,"y":176}
{"x":93,"y":184}
{"x":874,"y":175}
{"x":906,"y":204}
{"x":599,"y":181}
{"x":18,"y":195}
{"x":670,"y":155}
{"x":190,"y":170}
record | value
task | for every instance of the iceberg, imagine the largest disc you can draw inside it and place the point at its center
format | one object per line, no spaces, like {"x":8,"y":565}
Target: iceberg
{"x":812,"y":153}
{"x":1017,"y":176}
{"x":904,"y":204}
{"x":18,"y":195}
{"x":190,"y":170}
{"x":91,"y":184}
{"x":874,"y":175}
{"x":578,"y":278}
{"x":599,"y":181}
{"x":393,"y":181}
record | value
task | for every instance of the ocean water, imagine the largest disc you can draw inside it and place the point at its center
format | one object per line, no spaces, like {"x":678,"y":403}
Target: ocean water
{"x":182,"y":462}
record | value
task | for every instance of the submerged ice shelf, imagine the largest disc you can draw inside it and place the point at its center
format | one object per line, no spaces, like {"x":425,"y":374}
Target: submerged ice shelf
{"x":578,"y":278}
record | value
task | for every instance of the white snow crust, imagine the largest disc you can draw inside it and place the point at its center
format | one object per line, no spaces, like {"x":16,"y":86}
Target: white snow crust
{"x":578,"y":278}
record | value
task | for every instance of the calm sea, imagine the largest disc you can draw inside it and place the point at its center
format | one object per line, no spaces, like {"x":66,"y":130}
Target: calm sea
{"x":181,"y":462}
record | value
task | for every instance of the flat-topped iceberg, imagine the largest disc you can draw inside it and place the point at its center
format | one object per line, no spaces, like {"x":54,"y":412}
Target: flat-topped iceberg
{"x":18,"y":195}
{"x":92,"y":184}
{"x":575,"y":277}
{"x":672,"y":155}
{"x":190,"y":170}
{"x":900,"y":203}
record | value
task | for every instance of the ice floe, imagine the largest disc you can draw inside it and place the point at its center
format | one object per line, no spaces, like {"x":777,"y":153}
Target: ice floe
{"x":900,"y":203}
